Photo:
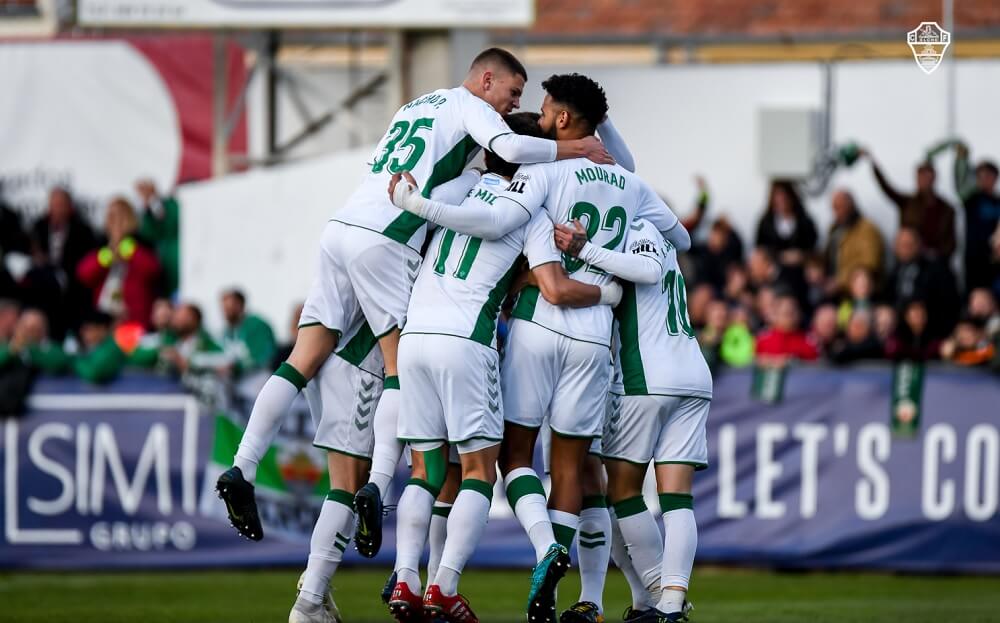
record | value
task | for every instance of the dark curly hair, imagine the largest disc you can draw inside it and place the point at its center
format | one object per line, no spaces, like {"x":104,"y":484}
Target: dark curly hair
{"x":579,"y":93}
{"x":525,"y":123}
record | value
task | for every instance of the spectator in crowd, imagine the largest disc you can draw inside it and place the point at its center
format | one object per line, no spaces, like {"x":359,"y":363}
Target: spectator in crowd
{"x":698,"y":299}
{"x":913,"y":340}
{"x":722,"y":249}
{"x":784,"y":339}
{"x":763,"y":307}
{"x":124,"y":275}
{"x":860,"y":295}
{"x":918,"y":275}
{"x":968,"y":344}
{"x":160,"y":228}
{"x":247,"y":338}
{"x":854,"y":242}
{"x":786,"y":230}
{"x":981,"y":204}
{"x":9,"y":312}
{"x":100,"y":360}
{"x":710,"y":338}
{"x":818,"y":285}
{"x":983,"y":307}
{"x":765,"y":271}
{"x":737,"y":342}
{"x":59,"y":240}
{"x":193,"y":349}
{"x":885,"y":322}
{"x":737,"y":290}
{"x":824,"y":330}
{"x":147,"y":352}
{"x":30,"y":342}
{"x":285,"y":348}
{"x":926,"y":212}
{"x":13,"y":241}
{"x":693,"y":221}
{"x":858,"y":342}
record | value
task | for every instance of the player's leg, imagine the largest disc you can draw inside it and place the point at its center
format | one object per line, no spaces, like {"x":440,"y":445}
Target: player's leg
{"x":439,"y":515}
{"x":466,"y":525}
{"x":593,"y":542}
{"x":330,"y":537}
{"x":682,"y":448}
{"x":640,"y":536}
{"x":641,"y":599}
{"x":382,"y":273}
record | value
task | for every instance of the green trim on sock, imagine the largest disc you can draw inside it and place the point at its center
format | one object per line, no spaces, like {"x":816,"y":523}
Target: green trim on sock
{"x":564,"y":534}
{"x":479,"y":486}
{"x":390,"y":382}
{"x":522,"y":486}
{"x":630,"y":506}
{"x":342,"y":548}
{"x":676,"y":501}
{"x":436,"y":466}
{"x":341,"y":538}
{"x":288,"y":372}
{"x":441,"y":511}
{"x":423,"y":484}
{"x":594,"y":501}
{"x":341,"y":496}
{"x":591,"y":540}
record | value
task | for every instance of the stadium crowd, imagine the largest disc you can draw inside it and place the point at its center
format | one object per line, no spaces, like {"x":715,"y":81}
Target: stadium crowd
{"x":76,"y":301}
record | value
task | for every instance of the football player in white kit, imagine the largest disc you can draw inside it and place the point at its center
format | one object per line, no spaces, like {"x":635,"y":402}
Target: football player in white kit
{"x":370,"y":255}
{"x":659,"y":411}
{"x":556,"y":362}
{"x":450,"y":384}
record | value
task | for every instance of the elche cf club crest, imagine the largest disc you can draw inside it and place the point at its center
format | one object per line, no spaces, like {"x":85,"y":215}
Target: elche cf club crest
{"x":928,"y":42}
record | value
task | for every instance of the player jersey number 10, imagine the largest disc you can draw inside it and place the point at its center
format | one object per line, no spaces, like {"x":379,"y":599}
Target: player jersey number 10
{"x":677,"y":313}
{"x":403,"y":140}
{"x":614,"y":220}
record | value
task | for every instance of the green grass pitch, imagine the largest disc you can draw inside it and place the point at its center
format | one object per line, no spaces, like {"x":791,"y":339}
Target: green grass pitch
{"x":497,"y":596}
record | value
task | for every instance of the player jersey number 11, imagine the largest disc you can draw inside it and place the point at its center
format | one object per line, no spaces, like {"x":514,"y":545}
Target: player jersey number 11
{"x":402,"y":139}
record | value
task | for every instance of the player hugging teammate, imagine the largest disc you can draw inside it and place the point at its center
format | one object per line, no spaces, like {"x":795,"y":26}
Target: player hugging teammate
{"x":609,"y":371}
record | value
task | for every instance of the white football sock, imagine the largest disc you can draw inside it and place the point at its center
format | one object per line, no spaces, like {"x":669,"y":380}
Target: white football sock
{"x":642,"y":540}
{"x":413,"y":518}
{"x":436,"y":537}
{"x":594,"y":550}
{"x":388,"y":448}
{"x":527,"y":497}
{"x":642,"y":599}
{"x":680,"y":544}
{"x":269,"y":410}
{"x":330,"y":537}
{"x":465,"y":528}
{"x":564,"y":526}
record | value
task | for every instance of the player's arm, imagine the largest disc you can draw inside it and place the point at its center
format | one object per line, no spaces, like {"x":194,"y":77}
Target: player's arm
{"x":615,"y":144}
{"x":454,"y":192}
{"x":640,"y":264}
{"x":488,"y":128}
{"x":653,"y":209}
{"x":548,"y":274}
{"x":512,"y":208}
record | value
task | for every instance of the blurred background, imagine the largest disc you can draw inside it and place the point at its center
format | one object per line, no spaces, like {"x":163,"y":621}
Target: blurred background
{"x":166,"y":168}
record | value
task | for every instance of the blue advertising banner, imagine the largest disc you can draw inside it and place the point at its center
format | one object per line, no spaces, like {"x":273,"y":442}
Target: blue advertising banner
{"x":123,"y":477}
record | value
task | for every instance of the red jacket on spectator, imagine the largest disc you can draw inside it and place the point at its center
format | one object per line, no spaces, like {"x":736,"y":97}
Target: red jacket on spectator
{"x":140,"y":284}
{"x":778,"y":343}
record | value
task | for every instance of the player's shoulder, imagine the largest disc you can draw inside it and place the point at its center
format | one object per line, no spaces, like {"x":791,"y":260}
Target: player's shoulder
{"x":584,"y":172}
{"x":435,"y":100}
{"x":643,"y":237}
{"x":488,"y":188}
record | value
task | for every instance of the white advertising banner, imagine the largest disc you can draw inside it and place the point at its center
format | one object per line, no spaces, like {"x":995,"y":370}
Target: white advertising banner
{"x":307,"y":13}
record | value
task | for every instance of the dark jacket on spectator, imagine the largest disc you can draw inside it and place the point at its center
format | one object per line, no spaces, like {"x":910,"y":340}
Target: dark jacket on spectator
{"x":80,"y":240}
{"x":930,"y":280}
{"x":929,"y":214}
{"x":843,"y":351}
{"x":802,"y":238}
{"x":982,"y":212}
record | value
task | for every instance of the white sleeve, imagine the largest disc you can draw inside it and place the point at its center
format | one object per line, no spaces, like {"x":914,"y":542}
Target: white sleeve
{"x":641,"y":262}
{"x":653,"y":209}
{"x":539,"y":242}
{"x":488,"y":128}
{"x":455,"y":191}
{"x":615,"y":144}
{"x":487,"y":220}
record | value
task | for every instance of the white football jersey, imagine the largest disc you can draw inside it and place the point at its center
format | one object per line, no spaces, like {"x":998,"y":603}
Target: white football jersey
{"x":433,"y":137}
{"x":463,"y":280}
{"x":606,"y":199}
{"x":655,"y":347}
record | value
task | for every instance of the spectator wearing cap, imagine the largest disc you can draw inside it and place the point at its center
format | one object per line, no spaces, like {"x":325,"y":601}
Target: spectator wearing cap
{"x":160,"y":228}
{"x":981,"y":203}
{"x":854,"y":242}
{"x":247,"y":338}
{"x":912,"y":340}
{"x":785,"y":229}
{"x":924,"y":211}
{"x":918,"y":275}
{"x":124,"y":275}
{"x":30,"y":342}
{"x":100,"y":360}
{"x":784,"y":339}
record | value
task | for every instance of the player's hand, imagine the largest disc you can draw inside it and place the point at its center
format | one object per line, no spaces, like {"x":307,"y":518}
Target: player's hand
{"x":593,"y":149}
{"x":570,"y":240}
{"x":402,"y":186}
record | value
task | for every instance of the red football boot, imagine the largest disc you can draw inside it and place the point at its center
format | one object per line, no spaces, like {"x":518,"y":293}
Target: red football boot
{"x":454,"y":609}
{"x":404,"y":606}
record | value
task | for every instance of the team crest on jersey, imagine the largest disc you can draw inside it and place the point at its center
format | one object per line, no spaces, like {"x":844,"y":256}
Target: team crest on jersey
{"x":928,"y":41}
